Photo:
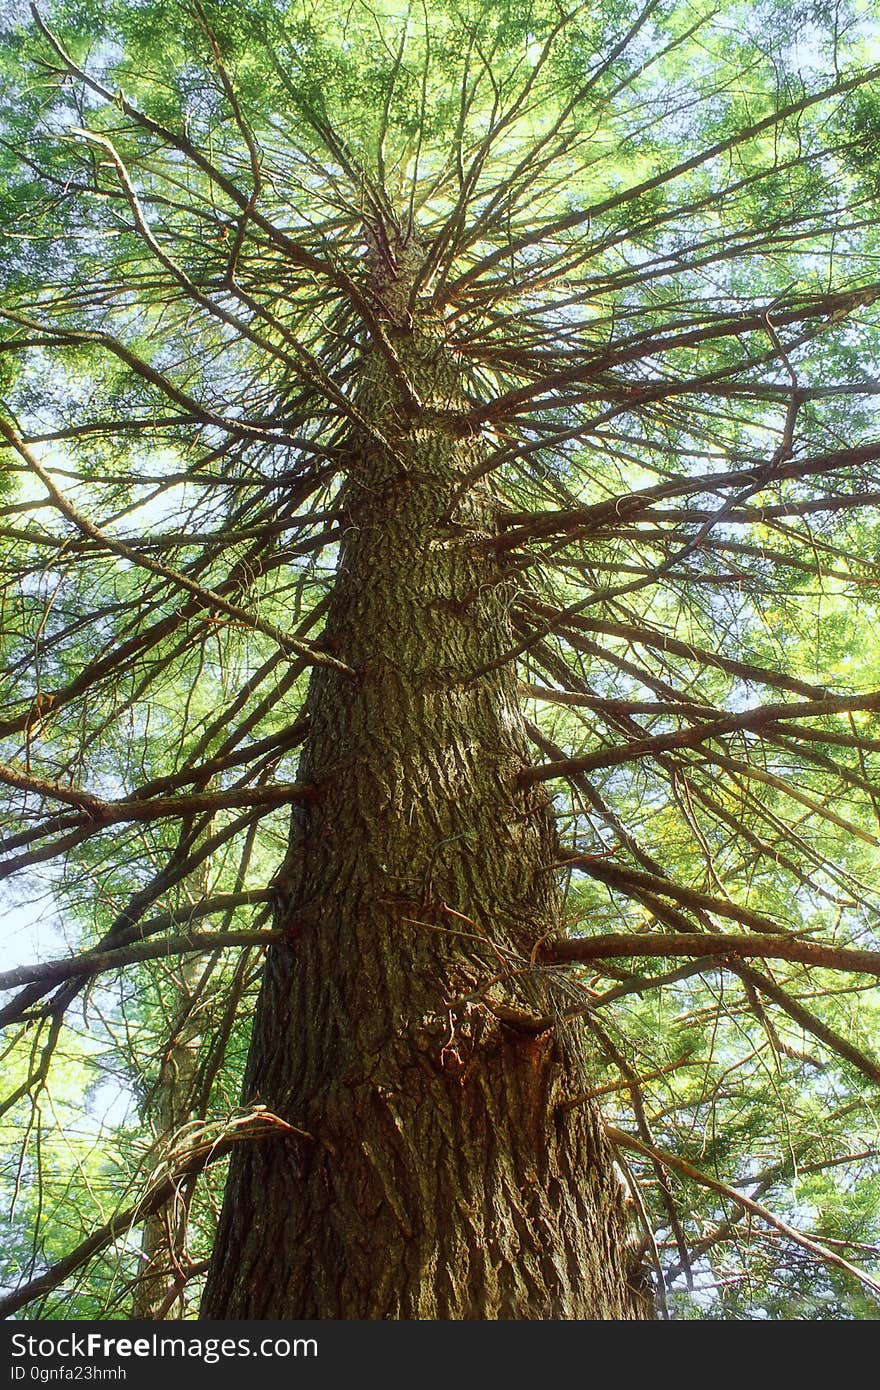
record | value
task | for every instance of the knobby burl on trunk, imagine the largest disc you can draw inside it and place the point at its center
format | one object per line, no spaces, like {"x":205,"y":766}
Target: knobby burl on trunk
{"x":444,"y":1177}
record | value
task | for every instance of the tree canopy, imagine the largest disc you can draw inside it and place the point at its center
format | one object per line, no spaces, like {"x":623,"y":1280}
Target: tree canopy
{"x":649,"y":234}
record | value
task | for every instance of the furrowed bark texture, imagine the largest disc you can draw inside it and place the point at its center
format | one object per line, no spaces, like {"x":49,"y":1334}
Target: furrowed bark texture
{"x":442,"y":1178}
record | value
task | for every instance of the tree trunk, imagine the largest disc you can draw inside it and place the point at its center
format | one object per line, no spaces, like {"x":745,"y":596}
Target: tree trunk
{"x":401,"y":1027}
{"x":163,"y":1243}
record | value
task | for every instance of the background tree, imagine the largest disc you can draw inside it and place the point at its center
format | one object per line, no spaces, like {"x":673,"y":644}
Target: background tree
{"x":409,"y":386}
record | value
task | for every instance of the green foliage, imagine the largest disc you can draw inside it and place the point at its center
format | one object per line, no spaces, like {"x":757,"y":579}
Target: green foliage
{"x":652,"y":241}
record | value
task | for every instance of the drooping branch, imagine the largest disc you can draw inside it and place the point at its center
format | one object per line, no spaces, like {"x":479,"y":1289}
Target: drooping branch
{"x":190,"y":1163}
{"x":748,"y":1204}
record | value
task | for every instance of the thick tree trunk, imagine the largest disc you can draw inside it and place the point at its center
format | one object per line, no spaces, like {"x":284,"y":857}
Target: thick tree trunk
{"x":444,"y":1177}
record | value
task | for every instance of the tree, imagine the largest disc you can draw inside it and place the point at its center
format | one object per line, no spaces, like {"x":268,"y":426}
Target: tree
{"x":441,"y":452}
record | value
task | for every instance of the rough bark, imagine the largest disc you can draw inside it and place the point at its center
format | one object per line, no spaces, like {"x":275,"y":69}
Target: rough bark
{"x":444,"y":1177}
